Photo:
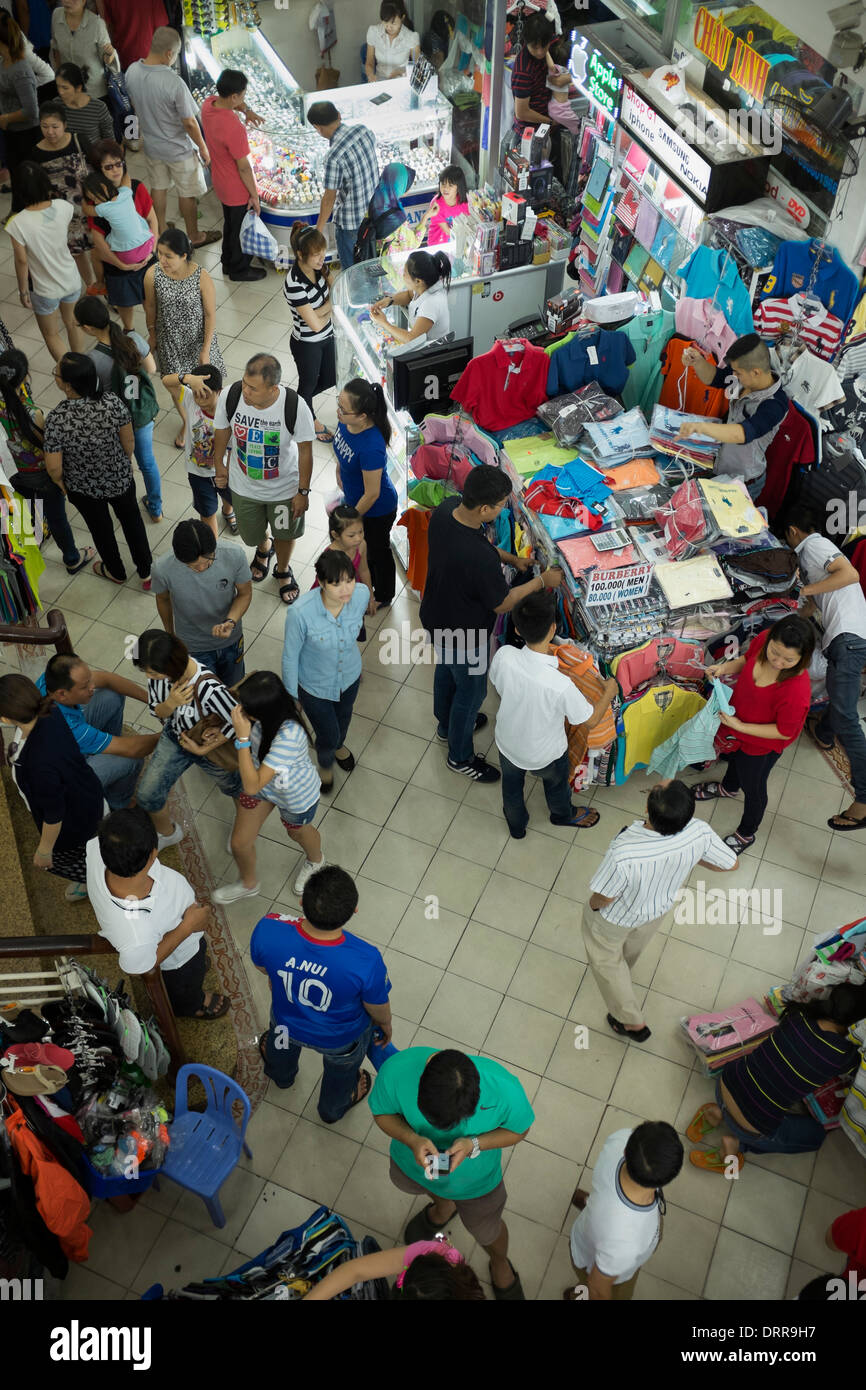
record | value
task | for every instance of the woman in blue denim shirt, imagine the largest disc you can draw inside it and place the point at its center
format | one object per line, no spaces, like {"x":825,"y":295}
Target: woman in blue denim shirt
{"x":321,"y":660}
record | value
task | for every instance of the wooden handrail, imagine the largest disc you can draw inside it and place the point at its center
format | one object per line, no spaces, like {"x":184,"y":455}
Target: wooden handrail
{"x":93,"y":945}
{"x":54,"y":635}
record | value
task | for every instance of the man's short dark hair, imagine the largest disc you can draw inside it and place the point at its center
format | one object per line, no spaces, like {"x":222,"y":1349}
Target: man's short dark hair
{"x":653,"y":1154}
{"x":750,"y":352}
{"x":538,"y":29}
{"x":192,"y":539}
{"x":231,"y":83}
{"x":265,"y":365}
{"x":670,"y":808}
{"x":449,"y":1089}
{"x":58,"y":672}
{"x":485,"y":487}
{"x":211,"y":375}
{"x":534,"y":615}
{"x":323,"y":113}
{"x":329,"y":898}
{"x":127,"y":839}
{"x":800,"y":516}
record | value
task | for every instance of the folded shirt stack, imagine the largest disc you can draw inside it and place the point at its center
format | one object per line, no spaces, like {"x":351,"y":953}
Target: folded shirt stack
{"x":567,"y":415}
{"x":699,"y":449}
{"x":616,"y":441}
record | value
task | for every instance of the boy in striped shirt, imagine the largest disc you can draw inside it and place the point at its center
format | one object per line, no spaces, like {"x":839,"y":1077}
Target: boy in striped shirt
{"x":634,"y":888}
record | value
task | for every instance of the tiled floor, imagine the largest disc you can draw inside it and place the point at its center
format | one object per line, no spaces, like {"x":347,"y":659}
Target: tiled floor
{"x":501,"y":971}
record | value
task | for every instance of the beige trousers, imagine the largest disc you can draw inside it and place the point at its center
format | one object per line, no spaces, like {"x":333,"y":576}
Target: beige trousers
{"x":611,"y":950}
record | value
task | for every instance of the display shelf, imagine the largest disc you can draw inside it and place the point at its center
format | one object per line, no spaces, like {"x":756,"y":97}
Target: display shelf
{"x":288,"y":155}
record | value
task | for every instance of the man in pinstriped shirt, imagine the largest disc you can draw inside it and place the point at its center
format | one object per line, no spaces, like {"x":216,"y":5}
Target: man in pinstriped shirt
{"x":636,"y":886}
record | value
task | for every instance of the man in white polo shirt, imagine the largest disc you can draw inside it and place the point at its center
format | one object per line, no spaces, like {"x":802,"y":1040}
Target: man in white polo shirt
{"x":149,"y":913}
{"x":535,"y":700}
{"x":636,"y":886}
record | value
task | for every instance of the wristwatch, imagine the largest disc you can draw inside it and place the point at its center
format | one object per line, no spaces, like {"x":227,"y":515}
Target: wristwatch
{"x":303,"y":492}
{"x":476,"y":1147}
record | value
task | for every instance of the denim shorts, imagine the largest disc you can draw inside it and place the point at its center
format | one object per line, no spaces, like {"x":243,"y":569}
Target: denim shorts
{"x":205,"y":492}
{"x":292,"y":820}
{"x":796,"y":1134}
{"x":44,"y":306}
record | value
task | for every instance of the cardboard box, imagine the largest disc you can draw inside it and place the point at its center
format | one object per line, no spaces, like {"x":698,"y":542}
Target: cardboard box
{"x":513,"y":208}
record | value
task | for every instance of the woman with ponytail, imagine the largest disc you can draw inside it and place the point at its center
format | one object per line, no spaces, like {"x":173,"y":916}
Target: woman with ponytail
{"x":308,"y":295}
{"x":361,"y":446}
{"x":123,"y":361}
{"x":62,"y":792}
{"x":24,"y":427}
{"x":428,"y":279}
{"x":758,"y":1096}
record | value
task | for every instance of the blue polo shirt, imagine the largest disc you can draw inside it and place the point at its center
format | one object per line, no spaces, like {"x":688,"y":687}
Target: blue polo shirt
{"x":89,"y":740}
{"x":318,"y":988}
{"x":604,"y":357}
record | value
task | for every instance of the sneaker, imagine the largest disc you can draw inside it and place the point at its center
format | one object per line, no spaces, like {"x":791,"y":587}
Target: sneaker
{"x":477,"y":769}
{"x":177,"y":834}
{"x":480,"y":721}
{"x":306,"y":872}
{"x":233,"y":892}
{"x":76,"y":893}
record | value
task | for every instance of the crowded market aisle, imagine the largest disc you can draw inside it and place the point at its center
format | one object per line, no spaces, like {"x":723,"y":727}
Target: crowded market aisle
{"x":501,"y":972}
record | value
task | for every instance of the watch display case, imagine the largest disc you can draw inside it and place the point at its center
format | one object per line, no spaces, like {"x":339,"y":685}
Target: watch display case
{"x":288,"y":155}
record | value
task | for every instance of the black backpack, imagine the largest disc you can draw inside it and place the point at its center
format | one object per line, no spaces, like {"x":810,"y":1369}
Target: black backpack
{"x":290,"y":414}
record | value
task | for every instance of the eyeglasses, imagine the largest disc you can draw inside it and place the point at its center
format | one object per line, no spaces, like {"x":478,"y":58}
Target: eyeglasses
{"x":341,"y":410}
{"x":112,"y":164}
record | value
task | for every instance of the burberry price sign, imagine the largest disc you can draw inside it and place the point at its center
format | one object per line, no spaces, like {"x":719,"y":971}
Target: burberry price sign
{"x":615,"y":586}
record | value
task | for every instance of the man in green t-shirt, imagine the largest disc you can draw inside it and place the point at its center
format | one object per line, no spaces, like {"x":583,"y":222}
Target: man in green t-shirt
{"x":445,"y":1107}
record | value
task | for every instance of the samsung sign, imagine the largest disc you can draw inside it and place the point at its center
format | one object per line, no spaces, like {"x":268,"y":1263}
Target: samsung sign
{"x":596,"y":78}
{"x":653,"y":131}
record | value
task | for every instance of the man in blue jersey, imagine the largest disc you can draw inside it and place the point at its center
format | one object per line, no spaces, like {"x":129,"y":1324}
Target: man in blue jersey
{"x":329,"y":990}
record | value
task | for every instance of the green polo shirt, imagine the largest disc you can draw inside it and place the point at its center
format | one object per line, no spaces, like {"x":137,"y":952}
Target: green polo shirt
{"x":502,"y":1104}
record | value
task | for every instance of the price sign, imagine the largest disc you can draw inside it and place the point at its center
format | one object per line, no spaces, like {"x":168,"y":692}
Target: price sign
{"x":615,"y":586}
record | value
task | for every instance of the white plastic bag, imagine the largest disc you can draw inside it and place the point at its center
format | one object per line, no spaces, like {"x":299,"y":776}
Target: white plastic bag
{"x":256,"y":240}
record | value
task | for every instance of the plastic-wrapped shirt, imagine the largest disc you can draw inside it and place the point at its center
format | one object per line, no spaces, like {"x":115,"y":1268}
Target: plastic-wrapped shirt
{"x":693,"y":742}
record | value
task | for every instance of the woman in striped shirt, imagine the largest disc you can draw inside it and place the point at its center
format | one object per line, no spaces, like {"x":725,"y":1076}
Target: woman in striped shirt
{"x":308,"y":295}
{"x":276,"y":770}
{"x":758,"y":1095}
{"x":86,"y":116}
{"x":180,"y":692}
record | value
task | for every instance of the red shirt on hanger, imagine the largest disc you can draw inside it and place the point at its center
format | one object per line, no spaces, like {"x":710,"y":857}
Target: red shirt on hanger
{"x":503,"y":388}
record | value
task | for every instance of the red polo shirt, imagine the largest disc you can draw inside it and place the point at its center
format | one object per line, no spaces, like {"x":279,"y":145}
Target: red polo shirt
{"x":226,"y":137}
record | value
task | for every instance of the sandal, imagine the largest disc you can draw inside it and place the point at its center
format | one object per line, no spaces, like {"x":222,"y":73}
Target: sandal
{"x":812,"y":730}
{"x":700,"y":1125}
{"x":514,"y":1291}
{"x":100,"y":570}
{"x":324,"y":435}
{"x":231,"y":522}
{"x":714,"y":1161}
{"x":289,"y":591}
{"x":260,"y":565}
{"x":855,"y":823}
{"x":364,"y":1086}
{"x":709,"y":791}
{"x":207,"y":240}
{"x":87,"y":555}
{"x":583,"y":818}
{"x":214,"y":1009}
{"x":738,"y":843}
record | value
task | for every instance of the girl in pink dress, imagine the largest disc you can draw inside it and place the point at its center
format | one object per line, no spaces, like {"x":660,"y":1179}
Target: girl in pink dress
{"x":448,"y":203}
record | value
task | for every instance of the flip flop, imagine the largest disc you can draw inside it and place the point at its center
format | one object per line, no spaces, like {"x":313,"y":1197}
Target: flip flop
{"x":738,"y":844}
{"x":87,"y":555}
{"x":102,"y":573}
{"x":324,"y":436}
{"x":208,"y":239}
{"x":700,"y":1125}
{"x":363,"y":1075}
{"x":213,"y":1010}
{"x":843,"y":815}
{"x":714,"y":1161}
{"x":709,"y":791}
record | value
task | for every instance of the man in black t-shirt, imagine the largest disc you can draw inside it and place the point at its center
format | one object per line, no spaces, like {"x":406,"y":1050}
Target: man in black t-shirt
{"x":464,"y":591}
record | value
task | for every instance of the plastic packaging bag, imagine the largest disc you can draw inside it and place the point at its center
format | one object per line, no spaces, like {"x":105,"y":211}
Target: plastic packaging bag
{"x":256,"y":240}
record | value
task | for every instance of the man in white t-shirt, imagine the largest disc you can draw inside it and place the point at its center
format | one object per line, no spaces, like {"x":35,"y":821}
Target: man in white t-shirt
{"x":620,"y":1222}
{"x":149,"y":913}
{"x":269,"y":468}
{"x":535,"y":701}
{"x":833,"y":589}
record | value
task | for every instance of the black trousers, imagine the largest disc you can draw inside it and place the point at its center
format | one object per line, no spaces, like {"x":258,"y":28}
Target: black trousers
{"x":234,"y":261}
{"x":749,"y":773}
{"x":19,"y":144}
{"x":317,"y":367}
{"x":184,"y":985}
{"x":380,"y":556}
{"x":98,"y":519}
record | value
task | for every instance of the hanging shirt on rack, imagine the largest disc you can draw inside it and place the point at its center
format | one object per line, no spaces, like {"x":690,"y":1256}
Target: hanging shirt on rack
{"x":702,"y":321}
{"x":810,"y":381}
{"x":602,"y":356}
{"x":713,"y":275}
{"x":682,"y":388}
{"x":647,"y":334}
{"x":791,"y":448}
{"x":820,"y":331}
{"x":835,"y":285}
{"x":502,"y":388}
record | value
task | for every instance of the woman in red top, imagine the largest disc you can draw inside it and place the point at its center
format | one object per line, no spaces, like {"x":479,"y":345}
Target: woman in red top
{"x":771,"y":698}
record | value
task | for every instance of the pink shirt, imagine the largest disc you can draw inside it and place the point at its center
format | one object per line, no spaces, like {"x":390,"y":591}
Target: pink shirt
{"x":226,"y":137}
{"x":441,"y":218}
{"x":708,"y":327}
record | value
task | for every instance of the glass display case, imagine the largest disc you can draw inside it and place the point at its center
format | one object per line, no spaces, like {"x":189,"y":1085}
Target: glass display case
{"x":288,"y":155}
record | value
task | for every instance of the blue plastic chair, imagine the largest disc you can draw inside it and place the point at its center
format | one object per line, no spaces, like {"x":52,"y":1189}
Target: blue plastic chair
{"x":205,"y":1147}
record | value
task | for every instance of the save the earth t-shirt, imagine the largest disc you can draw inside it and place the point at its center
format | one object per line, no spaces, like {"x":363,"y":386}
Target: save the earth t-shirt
{"x":264,"y":461}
